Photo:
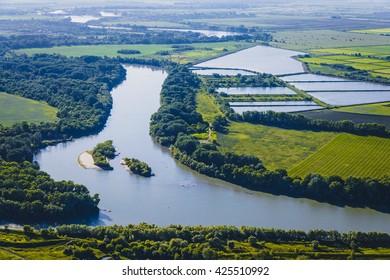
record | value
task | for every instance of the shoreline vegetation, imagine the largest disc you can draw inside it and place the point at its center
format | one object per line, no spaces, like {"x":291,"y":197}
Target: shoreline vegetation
{"x":175,"y":242}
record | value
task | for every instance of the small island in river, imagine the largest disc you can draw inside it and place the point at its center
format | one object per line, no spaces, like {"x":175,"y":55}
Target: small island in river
{"x":99,"y":157}
{"x":137,"y":167}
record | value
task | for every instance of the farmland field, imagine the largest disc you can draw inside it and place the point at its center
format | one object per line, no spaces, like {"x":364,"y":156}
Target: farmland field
{"x":349,"y":155}
{"x":377,"y":51}
{"x":323,"y":39}
{"x":276,"y":147}
{"x":15,"y":109}
{"x":202,"y":51}
{"x":382,"y":109}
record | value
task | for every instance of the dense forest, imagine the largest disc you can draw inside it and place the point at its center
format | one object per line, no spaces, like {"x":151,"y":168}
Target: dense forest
{"x":30,"y":195}
{"x":177,"y":119}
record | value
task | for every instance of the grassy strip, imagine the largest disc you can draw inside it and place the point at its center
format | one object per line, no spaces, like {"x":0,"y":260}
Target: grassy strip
{"x":349,"y":155}
{"x":207,"y":107}
{"x":14,"y":109}
{"x":382,"y":109}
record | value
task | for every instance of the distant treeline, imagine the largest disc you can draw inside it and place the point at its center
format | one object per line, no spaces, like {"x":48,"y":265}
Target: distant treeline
{"x":177,"y":119}
{"x":65,"y":33}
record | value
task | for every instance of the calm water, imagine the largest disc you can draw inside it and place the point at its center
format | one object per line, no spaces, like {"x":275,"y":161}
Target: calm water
{"x":177,"y":195}
{"x":347,"y":86}
{"x":208,"y":33}
{"x":286,"y":109}
{"x":273,"y":103}
{"x":351,"y":97}
{"x":221,"y":72}
{"x":261,"y":59}
{"x":311,"y":77}
{"x":82,"y":19}
{"x":257,"y":90}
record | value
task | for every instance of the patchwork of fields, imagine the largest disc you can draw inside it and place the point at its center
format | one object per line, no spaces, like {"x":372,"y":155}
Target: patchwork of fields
{"x":200,"y":52}
{"x":15,"y":109}
{"x":349,"y":155}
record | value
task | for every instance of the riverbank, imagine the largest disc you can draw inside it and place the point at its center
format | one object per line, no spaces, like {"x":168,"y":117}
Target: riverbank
{"x":86,"y":161}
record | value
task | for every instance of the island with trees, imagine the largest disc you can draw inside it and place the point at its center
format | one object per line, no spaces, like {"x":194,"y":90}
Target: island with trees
{"x":137,"y":167}
{"x":99,"y":157}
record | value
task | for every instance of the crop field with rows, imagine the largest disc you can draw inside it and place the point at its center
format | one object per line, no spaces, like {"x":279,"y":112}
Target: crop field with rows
{"x":349,"y":155}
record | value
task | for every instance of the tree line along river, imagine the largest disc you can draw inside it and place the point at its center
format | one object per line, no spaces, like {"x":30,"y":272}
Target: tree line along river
{"x":178,"y":195}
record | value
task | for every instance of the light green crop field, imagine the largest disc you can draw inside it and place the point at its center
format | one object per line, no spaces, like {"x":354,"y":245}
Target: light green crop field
{"x":378,"y":51}
{"x":15,"y":109}
{"x":276,"y":147}
{"x":362,"y":64}
{"x":325,"y":39}
{"x":202,"y":51}
{"x":385,"y":31}
{"x":206,"y":107}
{"x":349,"y":155}
{"x":382,"y":109}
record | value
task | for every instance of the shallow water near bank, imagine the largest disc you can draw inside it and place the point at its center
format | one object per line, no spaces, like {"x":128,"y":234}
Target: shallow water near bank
{"x":178,"y":195}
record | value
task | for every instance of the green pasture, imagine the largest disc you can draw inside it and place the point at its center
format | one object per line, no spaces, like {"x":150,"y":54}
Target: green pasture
{"x":15,"y":109}
{"x":382,"y":109}
{"x":276,"y":147}
{"x":206,"y":106}
{"x":203,"y":51}
{"x":348,"y":155}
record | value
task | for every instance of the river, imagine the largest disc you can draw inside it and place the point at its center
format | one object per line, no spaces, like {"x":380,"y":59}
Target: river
{"x":178,"y":195}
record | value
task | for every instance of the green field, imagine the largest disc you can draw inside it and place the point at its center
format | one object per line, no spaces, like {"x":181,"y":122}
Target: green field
{"x":324,"y":39}
{"x":349,"y":155}
{"x":276,"y":147}
{"x":206,"y":107}
{"x":385,"y":31}
{"x":15,"y":109}
{"x":368,"y":64}
{"x":377,"y":51}
{"x":382,"y":109}
{"x":202,"y":51}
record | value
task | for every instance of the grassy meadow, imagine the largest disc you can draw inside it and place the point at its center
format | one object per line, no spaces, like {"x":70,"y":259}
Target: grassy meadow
{"x":349,"y":155}
{"x":382,"y":109}
{"x":276,"y":147}
{"x":15,"y":109}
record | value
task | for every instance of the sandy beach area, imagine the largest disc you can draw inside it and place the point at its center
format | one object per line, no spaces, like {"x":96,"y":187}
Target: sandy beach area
{"x":86,"y":160}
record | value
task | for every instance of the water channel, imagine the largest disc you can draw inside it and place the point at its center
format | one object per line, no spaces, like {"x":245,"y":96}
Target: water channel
{"x":178,"y":195}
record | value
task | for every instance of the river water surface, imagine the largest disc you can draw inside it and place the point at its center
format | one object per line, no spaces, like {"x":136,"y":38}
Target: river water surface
{"x":178,"y":195}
